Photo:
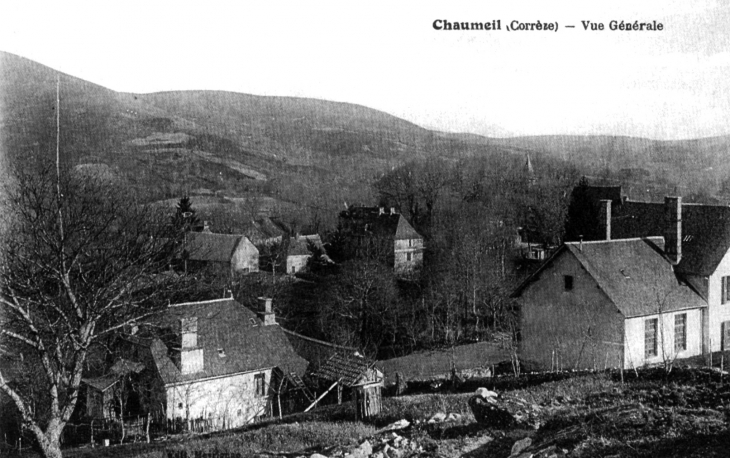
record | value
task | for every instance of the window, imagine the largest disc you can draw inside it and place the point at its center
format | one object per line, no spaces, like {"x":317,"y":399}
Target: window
{"x":408,"y":256}
{"x":680,"y":332}
{"x":568,"y":282}
{"x":260,"y":382}
{"x":725,"y":293}
{"x":650,"y":337}
{"x":725,"y":335}
{"x":180,"y":405}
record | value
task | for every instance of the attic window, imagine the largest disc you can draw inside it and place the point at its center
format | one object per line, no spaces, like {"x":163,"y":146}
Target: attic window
{"x":221,"y":353}
{"x":623,"y":272}
{"x":252,"y":321}
{"x":568,"y":282}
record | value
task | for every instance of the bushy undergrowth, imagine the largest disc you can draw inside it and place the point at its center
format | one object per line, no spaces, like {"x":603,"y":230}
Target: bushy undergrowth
{"x":292,"y":437}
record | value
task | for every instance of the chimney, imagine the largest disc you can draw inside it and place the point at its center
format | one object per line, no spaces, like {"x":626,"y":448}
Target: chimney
{"x":266,"y":312}
{"x":206,"y":226}
{"x":604,"y":219}
{"x":191,"y":356}
{"x":673,"y":228}
{"x":392,"y":210}
{"x":381,"y":210}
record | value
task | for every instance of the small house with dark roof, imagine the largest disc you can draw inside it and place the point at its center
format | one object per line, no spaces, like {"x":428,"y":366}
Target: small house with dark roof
{"x":263,"y":232}
{"x":378,"y":233}
{"x":300,"y":250}
{"x":608,"y":303}
{"x":229,"y":252}
{"x":215,"y":360}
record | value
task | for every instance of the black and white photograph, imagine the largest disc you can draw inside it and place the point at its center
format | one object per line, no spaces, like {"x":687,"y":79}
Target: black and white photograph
{"x":331,"y":229}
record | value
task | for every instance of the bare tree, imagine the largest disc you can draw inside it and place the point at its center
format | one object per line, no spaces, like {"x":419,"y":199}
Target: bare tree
{"x":80,"y":259}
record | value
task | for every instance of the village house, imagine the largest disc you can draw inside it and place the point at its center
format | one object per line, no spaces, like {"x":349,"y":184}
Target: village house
{"x":231,"y":254}
{"x":613,"y":303}
{"x":300,"y":250}
{"x":263,"y":232}
{"x":377,"y":233}
{"x":672,"y":299}
{"x":214,"y":360}
{"x":700,"y":245}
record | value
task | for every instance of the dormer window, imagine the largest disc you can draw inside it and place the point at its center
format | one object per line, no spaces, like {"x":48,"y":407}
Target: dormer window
{"x":221,"y":353}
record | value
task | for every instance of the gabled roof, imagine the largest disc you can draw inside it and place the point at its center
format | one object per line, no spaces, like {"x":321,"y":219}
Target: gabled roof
{"x":207,"y":246}
{"x":299,"y":245}
{"x":347,"y":367}
{"x":597,"y":193}
{"x":705,"y":231}
{"x":633,"y":273}
{"x":404,"y":231}
{"x":383,"y":221}
{"x":246,"y":344}
{"x":262,"y":230}
{"x":102,"y":383}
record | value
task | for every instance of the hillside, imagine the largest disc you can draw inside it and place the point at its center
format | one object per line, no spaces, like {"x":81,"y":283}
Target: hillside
{"x":299,"y":151}
{"x":302,"y":153}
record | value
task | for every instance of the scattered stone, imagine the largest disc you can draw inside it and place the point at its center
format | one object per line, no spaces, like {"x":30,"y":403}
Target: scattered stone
{"x":520,"y":445}
{"x":454,"y":417}
{"x":400,"y":424}
{"x":490,"y":414}
{"x":485,"y":393}
{"x":365,"y":448}
{"x":317,"y":455}
{"x":437,"y":417}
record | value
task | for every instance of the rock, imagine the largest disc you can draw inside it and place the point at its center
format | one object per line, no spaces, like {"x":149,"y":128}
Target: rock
{"x":437,"y":417}
{"x":520,"y":445}
{"x":400,"y":424}
{"x":485,"y":393}
{"x":454,"y":417}
{"x":490,"y":414}
{"x":317,"y":455}
{"x":365,"y":448}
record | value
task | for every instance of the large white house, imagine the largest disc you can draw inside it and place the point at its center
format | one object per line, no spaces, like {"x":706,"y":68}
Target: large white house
{"x":656,"y":288}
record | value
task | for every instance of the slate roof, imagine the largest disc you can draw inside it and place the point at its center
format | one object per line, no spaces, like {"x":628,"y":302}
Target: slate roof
{"x":369,"y":219}
{"x":225,"y":324}
{"x":102,"y":383}
{"x":207,"y":246}
{"x":705,"y":231}
{"x":349,"y":367}
{"x":598,"y":193}
{"x":633,"y":273}
{"x":299,"y":245}
{"x":262,"y":230}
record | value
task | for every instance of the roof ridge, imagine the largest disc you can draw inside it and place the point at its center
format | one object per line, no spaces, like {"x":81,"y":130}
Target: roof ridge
{"x":632,"y":239}
{"x":202,"y":302}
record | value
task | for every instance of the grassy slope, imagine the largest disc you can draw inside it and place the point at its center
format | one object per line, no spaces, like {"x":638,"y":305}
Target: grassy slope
{"x":653,"y":414}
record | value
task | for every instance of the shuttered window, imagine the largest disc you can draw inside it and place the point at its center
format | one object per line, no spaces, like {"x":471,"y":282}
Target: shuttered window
{"x":725,"y":335}
{"x":725,"y":293}
{"x":680,"y":332}
{"x":260,"y":380}
{"x":650,"y":337}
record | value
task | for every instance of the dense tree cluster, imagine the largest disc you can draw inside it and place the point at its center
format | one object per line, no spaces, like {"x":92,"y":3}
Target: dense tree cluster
{"x":471,"y":213}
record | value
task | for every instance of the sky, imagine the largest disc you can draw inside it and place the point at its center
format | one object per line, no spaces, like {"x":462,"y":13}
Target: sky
{"x":669,"y":84}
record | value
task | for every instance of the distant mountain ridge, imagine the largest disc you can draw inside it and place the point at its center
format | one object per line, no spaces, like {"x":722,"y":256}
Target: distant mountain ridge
{"x":170,"y":143}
